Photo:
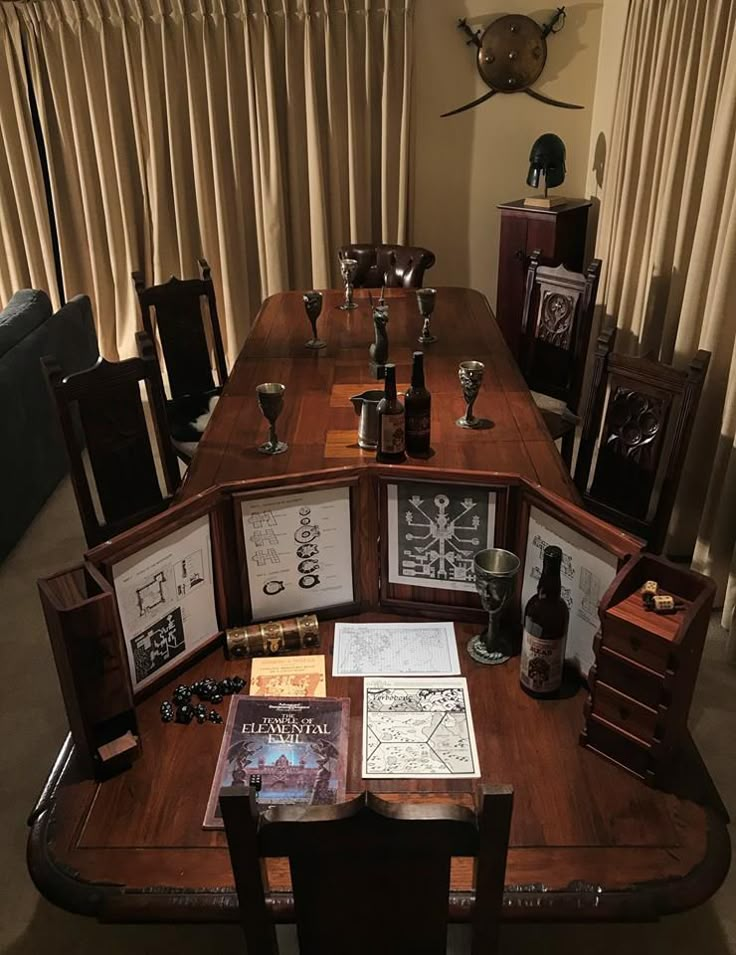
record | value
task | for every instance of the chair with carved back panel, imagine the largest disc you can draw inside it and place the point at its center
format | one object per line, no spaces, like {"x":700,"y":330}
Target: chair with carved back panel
{"x":181,"y":315}
{"x":102,"y":409}
{"x":555,"y":333}
{"x":369,"y":875}
{"x":635,"y":436}
{"x":396,"y":266}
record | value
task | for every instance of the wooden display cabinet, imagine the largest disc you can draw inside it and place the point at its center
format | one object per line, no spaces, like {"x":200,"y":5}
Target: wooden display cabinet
{"x":646,"y":666}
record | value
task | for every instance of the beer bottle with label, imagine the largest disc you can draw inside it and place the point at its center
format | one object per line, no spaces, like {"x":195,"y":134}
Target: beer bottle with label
{"x":418,"y":409}
{"x":390,"y":421}
{"x":545,"y":630}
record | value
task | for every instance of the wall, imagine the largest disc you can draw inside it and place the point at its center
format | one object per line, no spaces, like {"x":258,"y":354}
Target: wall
{"x":465,"y":165}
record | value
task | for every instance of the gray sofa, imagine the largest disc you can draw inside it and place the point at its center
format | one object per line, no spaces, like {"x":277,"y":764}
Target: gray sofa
{"x":33,"y":455}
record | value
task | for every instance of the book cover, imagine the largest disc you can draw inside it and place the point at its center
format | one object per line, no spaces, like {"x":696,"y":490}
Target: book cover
{"x":297,"y":745}
{"x":288,"y":676}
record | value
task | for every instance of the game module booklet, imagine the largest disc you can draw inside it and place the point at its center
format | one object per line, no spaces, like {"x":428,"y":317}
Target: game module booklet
{"x":298,"y":746}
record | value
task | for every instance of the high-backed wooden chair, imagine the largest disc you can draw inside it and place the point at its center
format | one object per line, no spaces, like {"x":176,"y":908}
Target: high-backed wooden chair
{"x":635,"y":435}
{"x":105,"y":403}
{"x":398,"y":266}
{"x":369,"y":875}
{"x":555,"y":333}
{"x":173,"y":315}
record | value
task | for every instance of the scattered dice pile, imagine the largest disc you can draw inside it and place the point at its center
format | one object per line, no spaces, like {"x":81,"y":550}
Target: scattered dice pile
{"x":659,"y":603}
{"x":207,"y":691}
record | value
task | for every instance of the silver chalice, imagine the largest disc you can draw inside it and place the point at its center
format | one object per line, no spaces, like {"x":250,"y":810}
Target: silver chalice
{"x":348,"y":268}
{"x":426,"y":298}
{"x":495,"y":576}
{"x":470,"y":374}
{"x":313,"y":306}
{"x":270,"y":397}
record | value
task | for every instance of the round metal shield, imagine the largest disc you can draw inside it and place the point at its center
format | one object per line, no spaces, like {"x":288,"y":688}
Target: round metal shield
{"x":512,"y":53}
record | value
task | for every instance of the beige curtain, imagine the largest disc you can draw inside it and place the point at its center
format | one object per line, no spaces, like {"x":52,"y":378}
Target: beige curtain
{"x":26,"y":251}
{"x":668,"y":241}
{"x":260,"y":134}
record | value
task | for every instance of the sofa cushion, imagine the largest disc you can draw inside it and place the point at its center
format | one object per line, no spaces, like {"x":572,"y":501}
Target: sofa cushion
{"x":25,"y":311}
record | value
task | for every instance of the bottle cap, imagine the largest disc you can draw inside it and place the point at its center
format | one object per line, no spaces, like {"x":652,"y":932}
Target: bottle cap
{"x":553,"y":553}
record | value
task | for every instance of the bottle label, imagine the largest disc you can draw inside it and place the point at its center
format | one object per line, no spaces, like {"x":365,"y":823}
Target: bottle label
{"x":392,"y":433}
{"x":541,"y":660}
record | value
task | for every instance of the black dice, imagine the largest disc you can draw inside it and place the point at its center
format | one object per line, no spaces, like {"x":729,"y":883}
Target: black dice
{"x":182,"y":694}
{"x":167,"y":712}
{"x":184,"y":713}
{"x":214,"y":717}
{"x":225,"y":687}
{"x":237,"y":683}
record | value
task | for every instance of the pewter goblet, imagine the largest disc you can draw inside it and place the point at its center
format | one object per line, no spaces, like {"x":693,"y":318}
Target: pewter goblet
{"x":470,"y":374}
{"x":313,"y":306}
{"x":425,"y":300}
{"x":271,"y":400}
{"x":348,"y":268}
{"x":495,"y":573}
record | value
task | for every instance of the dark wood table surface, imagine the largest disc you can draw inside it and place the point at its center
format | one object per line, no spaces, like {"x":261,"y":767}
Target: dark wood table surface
{"x":588,"y":841}
{"x":318,"y":420}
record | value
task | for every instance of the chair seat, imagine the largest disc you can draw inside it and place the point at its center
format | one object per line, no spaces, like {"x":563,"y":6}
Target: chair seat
{"x":559,"y":423}
{"x":188,"y":416}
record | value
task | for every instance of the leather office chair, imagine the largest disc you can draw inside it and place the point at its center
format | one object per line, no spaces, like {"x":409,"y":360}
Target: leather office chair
{"x":182,"y":316}
{"x":403,"y":265}
{"x":639,"y":419}
{"x":369,"y":875}
{"x":555,"y":332}
{"x":105,"y":403}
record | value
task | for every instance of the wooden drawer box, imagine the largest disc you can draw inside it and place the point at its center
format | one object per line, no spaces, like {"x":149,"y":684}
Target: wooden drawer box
{"x":646,"y":665}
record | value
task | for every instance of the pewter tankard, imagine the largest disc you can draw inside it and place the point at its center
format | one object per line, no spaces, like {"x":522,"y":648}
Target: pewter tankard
{"x":366,"y":405}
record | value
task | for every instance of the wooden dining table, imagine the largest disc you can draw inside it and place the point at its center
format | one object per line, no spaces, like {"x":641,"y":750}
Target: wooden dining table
{"x":588,"y":842}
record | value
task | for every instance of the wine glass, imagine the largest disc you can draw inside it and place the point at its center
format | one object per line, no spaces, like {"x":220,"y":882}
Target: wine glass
{"x":348,"y":268}
{"x":426,"y":298}
{"x":270,"y":397}
{"x":470,"y":374}
{"x":495,"y":575}
{"x":313,"y":306}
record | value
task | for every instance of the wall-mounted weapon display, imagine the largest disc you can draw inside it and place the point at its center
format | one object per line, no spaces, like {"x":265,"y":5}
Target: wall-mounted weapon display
{"x":512,"y":52}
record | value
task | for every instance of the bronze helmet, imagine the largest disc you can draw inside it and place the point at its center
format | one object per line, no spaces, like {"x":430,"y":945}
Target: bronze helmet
{"x":547,"y":156}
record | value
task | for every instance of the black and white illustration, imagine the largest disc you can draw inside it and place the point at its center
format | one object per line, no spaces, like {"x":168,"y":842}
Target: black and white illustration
{"x":158,"y":645}
{"x":586,"y":572}
{"x":435,"y":531}
{"x":189,"y":573}
{"x":165,"y":596}
{"x":308,"y":564}
{"x":418,"y":727}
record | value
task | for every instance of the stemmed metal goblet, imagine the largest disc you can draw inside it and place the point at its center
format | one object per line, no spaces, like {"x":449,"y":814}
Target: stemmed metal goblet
{"x":495,"y":574}
{"x":426,"y":298}
{"x":270,"y":397}
{"x":348,"y":268}
{"x":313,"y":306}
{"x":470,"y":374}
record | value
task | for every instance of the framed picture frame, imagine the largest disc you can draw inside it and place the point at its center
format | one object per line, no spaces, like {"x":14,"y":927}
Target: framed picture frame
{"x":168,"y":578}
{"x":432,"y":524}
{"x":301,"y":546}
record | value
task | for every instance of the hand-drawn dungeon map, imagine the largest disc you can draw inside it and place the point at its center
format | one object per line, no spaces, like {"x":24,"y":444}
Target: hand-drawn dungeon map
{"x":434,"y":532}
{"x":418,"y":727}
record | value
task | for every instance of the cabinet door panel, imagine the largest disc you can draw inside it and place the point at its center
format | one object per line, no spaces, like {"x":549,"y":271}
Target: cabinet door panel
{"x":511,"y":277}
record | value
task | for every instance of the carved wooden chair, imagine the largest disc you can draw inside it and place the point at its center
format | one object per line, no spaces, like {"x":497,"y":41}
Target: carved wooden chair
{"x":368,"y":875}
{"x":182,"y":316}
{"x":403,"y":266}
{"x":555,"y":332}
{"x":635,"y":435}
{"x":104,"y":403}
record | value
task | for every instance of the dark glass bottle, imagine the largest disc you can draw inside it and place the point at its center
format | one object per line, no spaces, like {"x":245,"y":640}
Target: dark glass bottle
{"x":390,"y":421}
{"x":545,"y":631}
{"x":418,"y":409}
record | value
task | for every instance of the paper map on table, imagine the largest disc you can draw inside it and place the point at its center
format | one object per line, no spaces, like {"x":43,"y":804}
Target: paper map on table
{"x":166,"y":599}
{"x":586,"y":573}
{"x":395,"y":649}
{"x":288,"y":676}
{"x":415,"y":728}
